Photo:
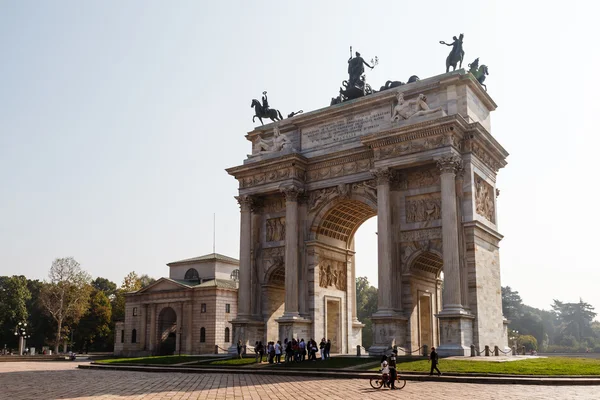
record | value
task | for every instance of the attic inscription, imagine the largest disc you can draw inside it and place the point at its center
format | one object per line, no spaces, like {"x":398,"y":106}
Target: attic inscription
{"x":345,"y":129}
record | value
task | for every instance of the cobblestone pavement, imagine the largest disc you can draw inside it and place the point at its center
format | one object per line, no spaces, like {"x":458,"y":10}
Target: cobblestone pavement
{"x":62,"y":380}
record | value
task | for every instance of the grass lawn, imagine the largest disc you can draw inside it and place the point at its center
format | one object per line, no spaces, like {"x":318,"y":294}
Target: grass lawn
{"x":334,"y":362}
{"x":158,"y":360}
{"x":229,"y":362}
{"x":534,"y":366}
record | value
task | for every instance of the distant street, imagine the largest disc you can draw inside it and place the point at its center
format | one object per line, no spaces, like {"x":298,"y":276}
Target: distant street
{"x":62,"y":380}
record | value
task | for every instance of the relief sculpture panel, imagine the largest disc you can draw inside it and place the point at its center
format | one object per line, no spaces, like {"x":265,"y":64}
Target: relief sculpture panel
{"x":423,"y":208}
{"x":332,"y":273}
{"x":275,"y":229}
{"x":484,"y":199}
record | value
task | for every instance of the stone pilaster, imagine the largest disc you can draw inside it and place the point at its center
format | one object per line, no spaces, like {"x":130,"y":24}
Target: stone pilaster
{"x":152,"y":346}
{"x":189,"y":328}
{"x":291,"y":251}
{"x":143,"y":323}
{"x":179,"y":327}
{"x":244,"y":301}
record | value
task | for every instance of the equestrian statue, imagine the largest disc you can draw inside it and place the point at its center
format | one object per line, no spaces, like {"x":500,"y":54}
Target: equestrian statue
{"x":456,"y":54}
{"x":263,"y":111}
{"x":479,"y":72}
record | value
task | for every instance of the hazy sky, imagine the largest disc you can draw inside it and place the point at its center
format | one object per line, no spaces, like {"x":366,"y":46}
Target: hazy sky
{"x":117,"y":120}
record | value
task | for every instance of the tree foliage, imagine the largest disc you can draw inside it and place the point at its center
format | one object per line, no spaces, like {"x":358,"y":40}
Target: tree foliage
{"x":366,"y":305}
{"x":66,"y":296}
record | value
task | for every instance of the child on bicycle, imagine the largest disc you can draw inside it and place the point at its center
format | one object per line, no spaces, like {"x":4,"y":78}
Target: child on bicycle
{"x":385,"y":370}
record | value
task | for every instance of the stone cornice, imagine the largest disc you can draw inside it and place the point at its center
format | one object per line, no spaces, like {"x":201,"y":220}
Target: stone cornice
{"x":289,"y":160}
{"x":484,"y":228}
{"x":340,"y":158}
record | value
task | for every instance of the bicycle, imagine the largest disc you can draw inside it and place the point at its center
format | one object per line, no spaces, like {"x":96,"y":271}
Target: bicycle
{"x":379,"y":382}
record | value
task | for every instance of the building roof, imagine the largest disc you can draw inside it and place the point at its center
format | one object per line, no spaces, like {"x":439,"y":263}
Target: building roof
{"x":206,"y":258}
{"x":218,"y":283}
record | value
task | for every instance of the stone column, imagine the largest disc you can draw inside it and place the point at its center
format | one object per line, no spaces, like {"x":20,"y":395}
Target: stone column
{"x":244,"y":301}
{"x":291,"y":251}
{"x":153,"y":328}
{"x":451,"y":295}
{"x":143,"y":322}
{"x":384,"y":241}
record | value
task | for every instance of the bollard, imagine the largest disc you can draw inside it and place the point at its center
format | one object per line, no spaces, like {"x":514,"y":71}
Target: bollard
{"x":523,"y":349}
{"x":514,"y":351}
{"x":425,"y":350}
{"x":496,"y":351}
{"x":216,"y":349}
{"x":487,"y":350}
{"x":358,"y":350}
{"x":472,"y":350}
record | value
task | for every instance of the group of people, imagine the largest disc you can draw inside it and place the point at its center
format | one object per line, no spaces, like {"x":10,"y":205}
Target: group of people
{"x":293,"y":350}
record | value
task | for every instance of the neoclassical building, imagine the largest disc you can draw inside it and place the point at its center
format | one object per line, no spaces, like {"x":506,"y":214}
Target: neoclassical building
{"x":188,"y":312}
{"x":422,"y":158}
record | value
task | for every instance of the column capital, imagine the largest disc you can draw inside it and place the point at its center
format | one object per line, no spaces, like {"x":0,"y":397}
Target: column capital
{"x":246,"y":202}
{"x":291,"y":193}
{"x":449,"y":164}
{"x":382,"y":175}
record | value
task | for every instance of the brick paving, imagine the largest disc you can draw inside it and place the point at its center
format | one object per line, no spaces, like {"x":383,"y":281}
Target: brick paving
{"x":62,"y":380}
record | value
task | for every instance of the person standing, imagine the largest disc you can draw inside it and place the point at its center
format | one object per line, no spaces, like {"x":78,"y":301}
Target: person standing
{"x":302,"y":349}
{"x":322,"y":349}
{"x":239,"y":348}
{"x":433,"y":358}
{"x":278,"y":352}
{"x":392,"y":367}
{"x":327,"y":349}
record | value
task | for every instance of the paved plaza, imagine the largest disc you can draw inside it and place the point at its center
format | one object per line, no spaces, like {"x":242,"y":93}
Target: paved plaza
{"x":62,"y":380}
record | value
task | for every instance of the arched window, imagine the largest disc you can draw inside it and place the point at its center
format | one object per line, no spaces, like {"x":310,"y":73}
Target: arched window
{"x":235,"y":275}
{"x":226,"y":335}
{"x":191,"y":275}
{"x":202,"y":335}
{"x":133,"y":336}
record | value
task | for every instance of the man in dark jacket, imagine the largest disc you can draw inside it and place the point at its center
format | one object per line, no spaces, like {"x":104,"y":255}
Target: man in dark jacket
{"x":433,"y":358}
{"x":392,"y":367}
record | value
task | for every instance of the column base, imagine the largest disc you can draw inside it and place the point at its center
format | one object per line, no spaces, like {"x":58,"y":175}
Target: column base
{"x":456,"y":333}
{"x":293,"y":326}
{"x":249,"y":331}
{"x":389,"y":330}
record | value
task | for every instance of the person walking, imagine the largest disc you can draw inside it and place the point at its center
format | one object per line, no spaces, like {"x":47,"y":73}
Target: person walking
{"x":322,"y":349}
{"x":433,"y":358}
{"x":327,"y":349}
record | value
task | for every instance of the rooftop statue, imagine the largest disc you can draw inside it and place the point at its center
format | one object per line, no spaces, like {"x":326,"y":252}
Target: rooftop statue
{"x":456,"y":54}
{"x":356,"y":85}
{"x":277,"y":143}
{"x":356,"y":68}
{"x":263,"y":111}
{"x":479,"y":72}
{"x":393,"y":84}
{"x":412,"y":108}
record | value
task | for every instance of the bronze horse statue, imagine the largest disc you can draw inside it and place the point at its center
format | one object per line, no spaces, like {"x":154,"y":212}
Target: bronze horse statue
{"x":261,"y":113}
{"x":480,"y":74}
{"x":393,"y":84}
{"x":456,"y":54}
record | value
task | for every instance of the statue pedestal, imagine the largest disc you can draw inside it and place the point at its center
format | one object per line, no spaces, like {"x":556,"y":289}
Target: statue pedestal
{"x":249,"y":331}
{"x":388,"y":331}
{"x":456,"y":334}
{"x":293,"y":327}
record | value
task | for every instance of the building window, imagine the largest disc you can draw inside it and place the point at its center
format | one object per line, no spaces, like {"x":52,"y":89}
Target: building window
{"x":227,"y":334}
{"x":235,"y":275}
{"x":133,"y":336}
{"x":202,"y":335}
{"x":122,"y":336}
{"x":191,"y":275}
{"x":227,"y":308}
{"x":134,"y":311}
{"x":203,"y":307}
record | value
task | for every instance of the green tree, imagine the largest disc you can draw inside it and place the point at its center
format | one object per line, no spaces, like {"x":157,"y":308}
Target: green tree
{"x":512,"y":305}
{"x":66,"y":296}
{"x":366,"y":305}
{"x":41,"y":324}
{"x":93,"y":332}
{"x":14,"y":296}
{"x":529,"y":341}
{"x":104,"y":285}
{"x":575,"y":319}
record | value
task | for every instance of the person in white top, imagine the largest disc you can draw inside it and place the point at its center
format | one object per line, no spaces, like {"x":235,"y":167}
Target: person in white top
{"x":278,"y":352}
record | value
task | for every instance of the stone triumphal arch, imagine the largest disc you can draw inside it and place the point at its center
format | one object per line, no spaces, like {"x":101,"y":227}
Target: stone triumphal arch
{"x":427,"y":170}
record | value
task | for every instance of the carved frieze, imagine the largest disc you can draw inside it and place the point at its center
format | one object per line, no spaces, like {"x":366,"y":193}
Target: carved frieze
{"x":332,"y":273}
{"x":275,"y":229}
{"x":428,"y":176}
{"x":421,"y":234}
{"x":484,"y":199}
{"x":326,"y":171}
{"x":274,"y":205}
{"x":423,"y":208}
{"x":317,"y":198}
{"x":368,"y":188}
{"x":412,"y":146}
{"x":485,"y":157}
{"x":273,"y":257}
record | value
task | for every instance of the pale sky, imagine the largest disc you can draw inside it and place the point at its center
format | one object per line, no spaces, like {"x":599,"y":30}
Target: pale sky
{"x":118,"y":119}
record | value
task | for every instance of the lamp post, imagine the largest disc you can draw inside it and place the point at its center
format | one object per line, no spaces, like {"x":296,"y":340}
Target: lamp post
{"x":21,"y":333}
